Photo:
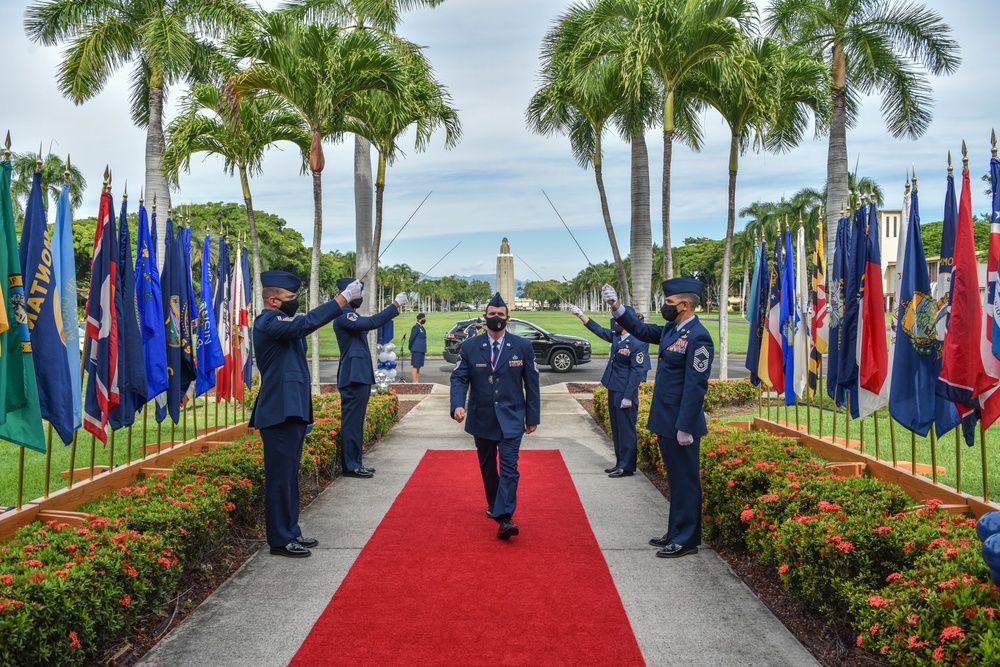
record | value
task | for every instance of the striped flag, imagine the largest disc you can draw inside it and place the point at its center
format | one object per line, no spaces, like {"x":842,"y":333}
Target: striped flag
{"x":801,"y":305}
{"x":873,"y":363}
{"x":848,"y":372}
{"x":820,"y":326}
{"x":246,"y":340}
{"x":771,"y":362}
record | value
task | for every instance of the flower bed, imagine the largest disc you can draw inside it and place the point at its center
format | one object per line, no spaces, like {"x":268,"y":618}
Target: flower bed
{"x":909,"y":579}
{"x":64,"y":591}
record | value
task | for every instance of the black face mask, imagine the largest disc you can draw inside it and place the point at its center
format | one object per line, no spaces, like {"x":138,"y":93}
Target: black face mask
{"x":421,"y":322}
{"x":496,"y":323}
{"x":617,"y":328}
{"x":289,"y":307}
{"x":356,"y":303}
{"x":669,"y":312}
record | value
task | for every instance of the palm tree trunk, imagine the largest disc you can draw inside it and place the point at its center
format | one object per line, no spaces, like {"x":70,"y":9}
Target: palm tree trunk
{"x":641,"y":238}
{"x":727,"y":257}
{"x":668,"y":153}
{"x":605,"y":211}
{"x":836,"y":159}
{"x":156,"y":182}
{"x":314,"y":272}
{"x":258,"y":301}
{"x":363,"y":218}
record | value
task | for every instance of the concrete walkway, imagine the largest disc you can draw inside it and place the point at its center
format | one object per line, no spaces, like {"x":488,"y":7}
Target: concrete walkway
{"x":688,"y":611}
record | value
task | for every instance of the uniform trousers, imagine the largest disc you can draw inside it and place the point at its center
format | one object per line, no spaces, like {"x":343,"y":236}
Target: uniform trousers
{"x":353,"y":405}
{"x":501,"y":488}
{"x":623,"y":430}
{"x":684,"y":479}
{"x":282,"y":455}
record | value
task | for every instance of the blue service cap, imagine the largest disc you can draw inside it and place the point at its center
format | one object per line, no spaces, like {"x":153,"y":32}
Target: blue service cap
{"x":282,"y":279}
{"x":497,"y":301}
{"x":683,"y":286}
{"x":342,"y":283}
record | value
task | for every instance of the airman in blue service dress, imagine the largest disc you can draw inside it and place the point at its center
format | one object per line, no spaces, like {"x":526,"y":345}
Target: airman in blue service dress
{"x":628,"y":364}
{"x":417,"y":346}
{"x":283,"y":408}
{"x":355,"y":377}
{"x":496,"y":371}
{"x":677,"y":415}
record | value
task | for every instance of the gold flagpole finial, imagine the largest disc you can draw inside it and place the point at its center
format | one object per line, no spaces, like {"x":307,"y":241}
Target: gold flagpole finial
{"x":914,"y":177}
{"x":951,"y":169}
{"x":154,"y":202}
{"x":38,"y":161}
{"x":141,"y":198}
{"x":110,"y":178}
{"x":965,"y":157}
{"x":170,"y":212}
{"x":107,"y":178}
{"x":993,"y":139}
{"x":843,"y":210}
{"x":6,"y":147}
{"x":906,"y":182}
{"x":125,"y":194}
{"x":66,"y":173}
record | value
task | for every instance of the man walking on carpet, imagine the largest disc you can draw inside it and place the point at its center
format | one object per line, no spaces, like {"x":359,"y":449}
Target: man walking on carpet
{"x":677,"y":414}
{"x":496,"y":371}
{"x":283,"y":408}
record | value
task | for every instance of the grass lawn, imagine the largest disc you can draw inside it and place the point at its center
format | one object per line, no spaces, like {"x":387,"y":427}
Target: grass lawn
{"x":34,"y":462}
{"x":554,"y":321}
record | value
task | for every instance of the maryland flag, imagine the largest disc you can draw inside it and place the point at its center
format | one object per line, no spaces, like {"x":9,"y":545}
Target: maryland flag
{"x":820,"y":328}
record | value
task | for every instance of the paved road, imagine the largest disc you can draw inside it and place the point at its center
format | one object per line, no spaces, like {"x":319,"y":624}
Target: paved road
{"x":439,"y":371}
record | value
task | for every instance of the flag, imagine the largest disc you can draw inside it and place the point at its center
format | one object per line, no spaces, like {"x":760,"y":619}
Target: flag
{"x":994,"y":258}
{"x":942,"y":288}
{"x":898,"y":279}
{"x":820,"y":328}
{"x":44,"y":312}
{"x":873,"y":363}
{"x":191,"y":311}
{"x":835,"y":311}
{"x":916,"y":361}
{"x":170,"y":401}
{"x":963,"y":377}
{"x":20,"y":412}
{"x":132,"y":381}
{"x":209,"y":350}
{"x":246,"y":340}
{"x":758,"y":301}
{"x":223,"y":318}
{"x":101,"y":353}
{"x":64,"y":266}
{"x":788,"y":320}
{"x":754,"y":282}
{"x":772,"y":361}
{"x":240,"y":330}
{"x":801,"y":346}
{"x":150,"y":303}
{"x":848,"y":372}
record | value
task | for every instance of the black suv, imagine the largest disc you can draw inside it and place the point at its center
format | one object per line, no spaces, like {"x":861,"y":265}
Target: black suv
{"x":559,"y":351}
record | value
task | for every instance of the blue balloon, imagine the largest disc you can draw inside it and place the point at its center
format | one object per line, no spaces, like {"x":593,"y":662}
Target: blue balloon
{"x":991,"y":551}
{"x":988,"y":524}
{"x":996,"y":576}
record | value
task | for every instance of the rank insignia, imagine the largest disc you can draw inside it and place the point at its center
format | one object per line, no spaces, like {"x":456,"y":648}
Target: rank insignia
{"x":700,"y":360}
{"x":352,"y":317}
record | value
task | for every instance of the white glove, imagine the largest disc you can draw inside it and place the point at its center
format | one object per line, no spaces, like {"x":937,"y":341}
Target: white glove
{"x":684,"y":438}
{"x":626,"y":403}
{"x":401,"y":299}
{"x":576,"y":311}
{"x":609,"y":295}
{"x":353,"y":291}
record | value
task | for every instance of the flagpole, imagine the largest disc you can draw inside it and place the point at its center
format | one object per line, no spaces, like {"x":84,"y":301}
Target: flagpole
{"x":892,"y":438}
{"x":834,"y":422}
{"x":913,"y":453}
{"x":72,"y":459}
{"x":111,"y":453}
{"x":847,"y":422}
{"x":819,"y":388}
{"x":159,"y":436}
{"x":48,"y":461}
{"x":93,"y":453}
{"x":982,"y":447}
{"x":958,"y":461}
{"x":20,"y":478}
{"x":129,"y":452}
{"x":184,"y":421}
{"x":145,"y":421}
{"x":878,"y":453}
{"x":934,"y":455}
{"x":861,"y":434}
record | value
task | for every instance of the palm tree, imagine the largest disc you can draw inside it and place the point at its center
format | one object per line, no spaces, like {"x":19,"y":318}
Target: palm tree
{"x":241,"y":141}
{"x":765,"y":94}
{"x":168,"y":42}
{"x":875,"y":46}
{"x":318,"y":69}
{"x":53,"y":171}
{"x":669,"y":40}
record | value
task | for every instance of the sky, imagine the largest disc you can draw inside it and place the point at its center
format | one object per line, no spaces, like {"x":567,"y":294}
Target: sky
{"x":490,"y":185}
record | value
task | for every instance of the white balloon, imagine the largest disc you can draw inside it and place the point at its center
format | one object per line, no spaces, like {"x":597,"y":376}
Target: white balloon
{"x":382,"y":356}
{"x":392,"y":373}
{"x":390,"y":347}
{"x":380,"y":347}
{"x":391,"y":356}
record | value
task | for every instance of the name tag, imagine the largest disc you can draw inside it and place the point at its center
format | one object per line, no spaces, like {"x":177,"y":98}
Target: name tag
{"x":514,"y":363}
{"x":481,"y":365}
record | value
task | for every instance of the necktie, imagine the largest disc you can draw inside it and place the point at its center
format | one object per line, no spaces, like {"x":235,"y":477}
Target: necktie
{"x":496,"y":353}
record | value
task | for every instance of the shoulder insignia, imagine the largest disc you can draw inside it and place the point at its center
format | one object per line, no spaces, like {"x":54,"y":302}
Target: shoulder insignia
{"x":457,"y":364}
{"x":700,"y":359}
{"x":281,"y":318}
{"x":352,"y":317}
{"x":639,"y":358}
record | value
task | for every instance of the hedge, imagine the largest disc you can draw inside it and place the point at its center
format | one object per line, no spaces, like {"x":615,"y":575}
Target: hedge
{"x":65,"y":592}
{"x":909,"y":579}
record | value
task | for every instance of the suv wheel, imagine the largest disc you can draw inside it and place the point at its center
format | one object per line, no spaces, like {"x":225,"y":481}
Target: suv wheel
{"x":562,"y":361}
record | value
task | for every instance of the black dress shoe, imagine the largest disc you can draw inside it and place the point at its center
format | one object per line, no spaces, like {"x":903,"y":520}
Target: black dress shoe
{"x":489,"y":512}
{"x":291,"y":550}
{"x":359,"y":472}
{"x":661,"y":541}
{"x":507,"y":530}
{"x":621,"y":473}
{"x":611,"y":469}
{"x":308,"y":542}
{"x":674,"y":550}
{"x":371,"y":470}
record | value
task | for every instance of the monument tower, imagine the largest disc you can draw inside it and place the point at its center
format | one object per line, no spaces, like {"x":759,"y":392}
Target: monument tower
{"x":505,"y":274}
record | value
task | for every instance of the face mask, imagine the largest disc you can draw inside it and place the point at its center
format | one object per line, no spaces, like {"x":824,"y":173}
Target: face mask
{"x":422,"y":322}
{"x":669,"y":312}
{"x":617,"y":328}
{"x":289,"y":307}
{"x":496,"y":323}
{"x":356,"y":303}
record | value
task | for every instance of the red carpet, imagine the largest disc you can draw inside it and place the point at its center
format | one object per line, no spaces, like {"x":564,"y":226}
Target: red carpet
{"x":434,"y":586}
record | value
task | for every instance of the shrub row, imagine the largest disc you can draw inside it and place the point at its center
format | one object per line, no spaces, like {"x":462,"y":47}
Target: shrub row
{"x":909,"y":579}
{"x":65,"y":591}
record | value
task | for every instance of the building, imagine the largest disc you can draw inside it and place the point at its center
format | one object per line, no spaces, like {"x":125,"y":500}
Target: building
{"x":505,"y":274}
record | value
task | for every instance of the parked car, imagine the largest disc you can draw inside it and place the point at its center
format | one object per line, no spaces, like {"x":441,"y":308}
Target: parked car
{"x":559,"y":351}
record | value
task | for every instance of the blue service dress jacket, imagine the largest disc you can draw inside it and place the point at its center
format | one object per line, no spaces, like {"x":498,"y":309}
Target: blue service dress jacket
{"x":685,"y":362}
{"x":352,"y":337}
{"x":418,"y":339}
{"x":280,"y":350}
{"x":502,"y":401}
{"x":628,"y":362}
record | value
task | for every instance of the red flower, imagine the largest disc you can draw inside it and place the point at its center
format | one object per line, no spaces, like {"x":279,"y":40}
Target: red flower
{"x":861,"y":639}
{"x":783,"y":569}
{"x":878,"y":601}
{"x":74,"y":641}
{"x":873,"y":630}
{"x":952,"y":632}
{"x":130,"y":571}
{"x":6,"y":579}
{"x":126,"y":601}
{"x":893,"y":577}
{"x":938,"y":654}
{"x":916,"y":643}
{"x":36,"y":578}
